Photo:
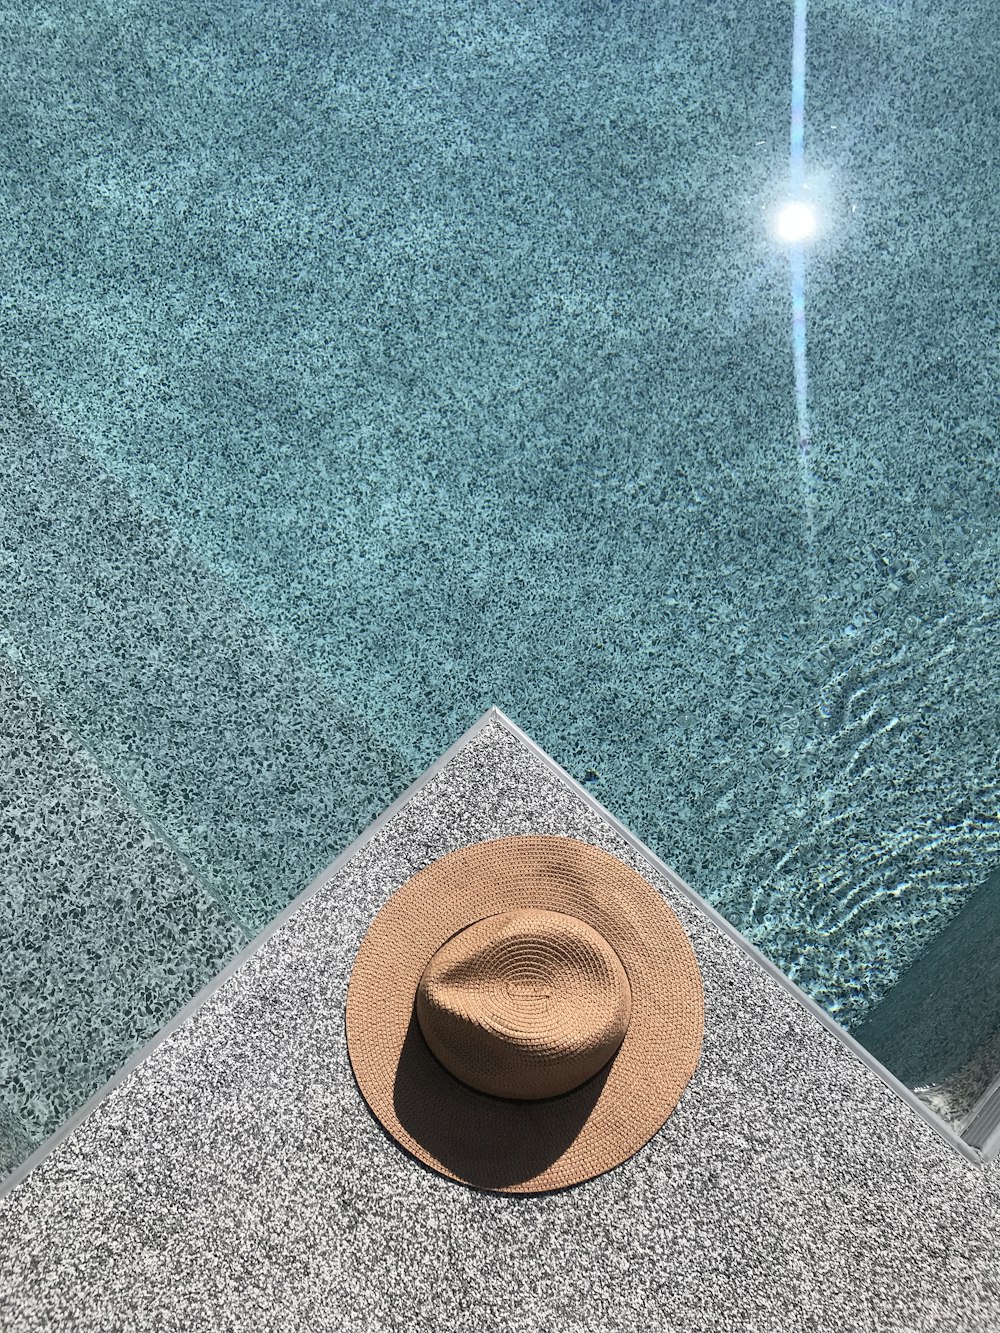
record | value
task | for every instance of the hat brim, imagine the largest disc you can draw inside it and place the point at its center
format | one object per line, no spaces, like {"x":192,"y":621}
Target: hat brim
{"x":524,"y":1147}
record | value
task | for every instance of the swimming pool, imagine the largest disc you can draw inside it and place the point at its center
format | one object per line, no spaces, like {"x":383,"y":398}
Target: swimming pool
{"x":367,"y":365}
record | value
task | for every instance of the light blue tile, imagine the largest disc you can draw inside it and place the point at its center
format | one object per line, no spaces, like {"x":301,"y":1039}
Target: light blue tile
{"x":105,"y":934}
{"x":455,"y":338}
{"x":248,"y":763}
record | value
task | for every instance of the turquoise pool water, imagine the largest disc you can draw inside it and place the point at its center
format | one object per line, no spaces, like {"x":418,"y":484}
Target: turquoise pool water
{"x":368,"y":364}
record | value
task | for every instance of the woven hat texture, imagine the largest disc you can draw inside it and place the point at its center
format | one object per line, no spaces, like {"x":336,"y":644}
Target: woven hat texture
{"x":524,"y":1014}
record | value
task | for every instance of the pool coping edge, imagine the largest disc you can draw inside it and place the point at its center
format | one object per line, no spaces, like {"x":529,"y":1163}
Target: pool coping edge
{"x":977,"y":1156}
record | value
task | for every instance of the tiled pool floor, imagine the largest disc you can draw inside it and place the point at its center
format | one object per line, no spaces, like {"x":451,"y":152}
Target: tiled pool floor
{"x":105,"y":932}
{"x":250,"y":764}
{"x":236,"y":1180}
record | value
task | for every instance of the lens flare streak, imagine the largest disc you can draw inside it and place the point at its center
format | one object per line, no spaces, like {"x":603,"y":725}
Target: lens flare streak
{"x":796,"y":259}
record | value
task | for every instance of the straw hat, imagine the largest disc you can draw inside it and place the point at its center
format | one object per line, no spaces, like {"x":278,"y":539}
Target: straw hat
{"x":524,"y":1014}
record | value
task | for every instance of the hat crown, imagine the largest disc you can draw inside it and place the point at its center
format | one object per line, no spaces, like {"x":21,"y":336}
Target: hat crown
{"x":526,"y":1004}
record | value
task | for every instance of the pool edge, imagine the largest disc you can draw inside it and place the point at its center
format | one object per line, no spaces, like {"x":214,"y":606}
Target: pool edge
{"x":978,"y":1157}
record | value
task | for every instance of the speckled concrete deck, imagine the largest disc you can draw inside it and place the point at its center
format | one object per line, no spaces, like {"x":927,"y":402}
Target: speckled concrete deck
{"x":235,"y":1179}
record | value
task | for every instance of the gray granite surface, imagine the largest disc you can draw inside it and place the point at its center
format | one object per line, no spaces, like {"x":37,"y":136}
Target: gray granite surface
{"x":236,"y":1180}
